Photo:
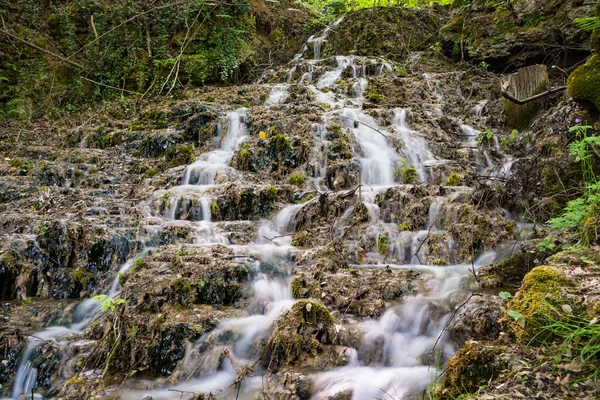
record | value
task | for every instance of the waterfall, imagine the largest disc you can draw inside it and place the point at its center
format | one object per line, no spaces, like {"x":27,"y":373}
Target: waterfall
{"x":394,"y":351}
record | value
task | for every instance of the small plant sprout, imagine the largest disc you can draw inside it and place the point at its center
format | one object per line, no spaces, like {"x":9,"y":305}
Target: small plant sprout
{"x":108,"y":303}
{"x":518,"y":317}
{"x":504,"y":295}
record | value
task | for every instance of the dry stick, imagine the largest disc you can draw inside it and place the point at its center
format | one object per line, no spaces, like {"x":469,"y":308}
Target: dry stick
{"x":73,"y":63}
{"x":384,"y":135}
{"x":186,"y":41}
{"x":66,"y":60}
{"x":248,"y":368}
{"x":513,"y":99}
{"x":426,"y":237}
{"x":129,"y":20}
{"x":450,"y":320}
{"x":93,"y":26}
{"x":108,"y":86}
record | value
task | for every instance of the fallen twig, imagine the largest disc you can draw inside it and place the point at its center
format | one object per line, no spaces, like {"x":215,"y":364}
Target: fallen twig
{"x":513,"y":99}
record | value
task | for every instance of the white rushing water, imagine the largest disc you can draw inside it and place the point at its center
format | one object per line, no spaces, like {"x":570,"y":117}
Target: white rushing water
{"x":399,"y":351}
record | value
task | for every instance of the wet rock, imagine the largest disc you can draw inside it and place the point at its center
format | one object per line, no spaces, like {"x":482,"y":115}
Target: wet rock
{"x":10,"y":270}
{"x":478,"y":320}
{"x":249,"y":202}
{"x":341,"y":175}
{"x":11,"y":346}
{"x":300,"y":335}
{"x":362,"y":291}
{"x":510,"y":272}
{"x":186,"y":275}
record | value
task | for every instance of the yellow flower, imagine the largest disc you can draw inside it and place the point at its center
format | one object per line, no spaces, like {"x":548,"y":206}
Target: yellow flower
{"x":262,"y":134}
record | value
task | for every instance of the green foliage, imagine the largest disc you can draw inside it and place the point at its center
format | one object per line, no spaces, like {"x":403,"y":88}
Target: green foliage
{"x":454,"y":179}
{"x":142,"y":46}
{"x":409,"y":175}
{"x":546,"y":245}
{"x":582,"y":212}
{"x":271,"y":191}
{"x":515,"y":315}
{"x":382,"y":245}
{"x":579,"y":343}
{"x":587,"y":24}
{"x":179,"y":155}
{"x":182,"y":287}
{"x":297,"y":179}
{"x":108,"y":303}
{"x":504,"y":295}
{"x":281,"y":141}
{"x":374,"y":97}
{"x":13,"y":108}
{"x":486,"y":136}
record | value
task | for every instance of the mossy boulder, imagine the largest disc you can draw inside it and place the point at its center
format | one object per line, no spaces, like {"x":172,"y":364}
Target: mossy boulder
{"x":509,"y":272}
{"x":584,"y":83}
{"x":469,"y":369}
{"x":541,"y":295}
{"x":179,"y":155}
{"x":301,"y":333}
{"x":385,"y":31}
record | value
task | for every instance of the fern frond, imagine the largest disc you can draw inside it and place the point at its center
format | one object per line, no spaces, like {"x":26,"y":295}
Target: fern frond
{"x":587,"y":24}
{"x":12,"y":107}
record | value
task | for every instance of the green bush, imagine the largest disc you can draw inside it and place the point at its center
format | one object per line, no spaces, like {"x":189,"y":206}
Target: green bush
{"x":297,"y":179}
{"x":409,"y":175}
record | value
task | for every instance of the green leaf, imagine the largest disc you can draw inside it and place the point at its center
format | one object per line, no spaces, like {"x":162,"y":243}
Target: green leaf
{"x":106,"y":304}
{"x":516,"y":315}
{"x":504,"y":295}
{"x":100,"y":298}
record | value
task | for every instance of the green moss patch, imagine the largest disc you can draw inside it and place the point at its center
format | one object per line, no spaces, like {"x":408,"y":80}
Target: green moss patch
{"x":470,"y":368}
{"x":584,"y":83}
{"x":541,"y":294}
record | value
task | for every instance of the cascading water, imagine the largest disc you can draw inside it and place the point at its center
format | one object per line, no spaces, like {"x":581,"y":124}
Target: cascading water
{"x":409,"y":333}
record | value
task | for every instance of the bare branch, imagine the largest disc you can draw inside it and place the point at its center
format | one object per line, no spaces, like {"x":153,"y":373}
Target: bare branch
{"x":513,"y":99}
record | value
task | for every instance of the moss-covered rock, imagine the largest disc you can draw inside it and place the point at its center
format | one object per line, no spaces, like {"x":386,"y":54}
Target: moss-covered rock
{"x":512,"y":33}
{"x":385,"y":31}
{"x":584,"y":83}
{"x":542,"y":293}
{"x":179,"y":155}
{"x":469,"y":369}
{"x":509,"y":272}
{"x":301,"y":334}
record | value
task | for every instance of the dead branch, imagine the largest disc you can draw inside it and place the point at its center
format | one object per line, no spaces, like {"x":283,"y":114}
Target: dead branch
{"x":93,"y":26}
{"x":129,"y":20}
{"x":513,"y":99}
{"x":48,"y":52}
